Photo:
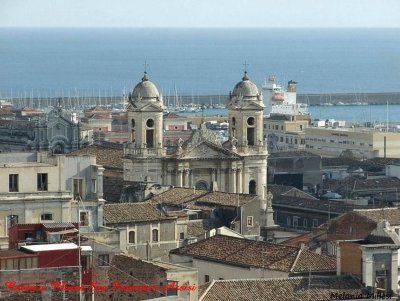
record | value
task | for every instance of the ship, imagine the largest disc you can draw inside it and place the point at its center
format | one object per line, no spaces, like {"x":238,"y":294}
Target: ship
{"x":277,"y":100}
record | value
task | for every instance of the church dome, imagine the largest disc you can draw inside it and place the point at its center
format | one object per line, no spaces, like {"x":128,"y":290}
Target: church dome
{"x":145,"y":90}
{"x":245,"y":88}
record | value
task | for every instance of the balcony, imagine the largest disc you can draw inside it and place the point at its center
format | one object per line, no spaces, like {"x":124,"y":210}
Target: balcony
{"x":131,"y":151}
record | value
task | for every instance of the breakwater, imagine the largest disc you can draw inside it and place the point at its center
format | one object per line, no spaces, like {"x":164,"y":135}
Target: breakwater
{"x":206,"y":100}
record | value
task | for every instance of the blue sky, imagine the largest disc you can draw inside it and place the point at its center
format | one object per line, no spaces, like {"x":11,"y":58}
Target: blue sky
{"x":199,"y":13}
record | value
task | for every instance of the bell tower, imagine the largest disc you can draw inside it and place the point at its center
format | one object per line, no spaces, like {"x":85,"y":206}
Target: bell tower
{"x":245,"y":107}
{"x":144,"y":149}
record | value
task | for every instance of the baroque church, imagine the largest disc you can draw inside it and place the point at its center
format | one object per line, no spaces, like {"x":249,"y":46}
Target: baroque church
{"x":203,"y":162}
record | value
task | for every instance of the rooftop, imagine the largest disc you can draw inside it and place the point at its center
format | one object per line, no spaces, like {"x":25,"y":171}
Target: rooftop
{"x":296,"y":288}
{"x":132,"y":212}
{"x":109,"y":158}
{"x":257,"y":254}
{"x":191,"y":198}
{"x":392,"y":215}
{"x":50,"y":247}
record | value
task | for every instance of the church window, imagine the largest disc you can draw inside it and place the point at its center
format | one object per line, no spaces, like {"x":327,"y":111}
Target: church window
{"x":233,"y":121}
{"x":150,"y":138}
{"x":250,"y":121}
{"x":252,"y":187}
{"x":150,"y":123}
{"x":250,"y":136}
{"x":201,"y":185}
{"x":133,"y":123}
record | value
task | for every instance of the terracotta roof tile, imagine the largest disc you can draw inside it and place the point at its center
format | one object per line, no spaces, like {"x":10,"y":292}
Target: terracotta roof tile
{"x":249,"y":253}
{"x":132,"y":212}
{"x":110,"y":158}
{"x":392,"y":215}
{"x":296,"y":288}
{"x":188,"y":197}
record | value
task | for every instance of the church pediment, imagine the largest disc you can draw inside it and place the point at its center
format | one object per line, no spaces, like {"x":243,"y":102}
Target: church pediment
{"x":207,"y":151}
{"x":146,"y":106}
{"x":252,"y":105}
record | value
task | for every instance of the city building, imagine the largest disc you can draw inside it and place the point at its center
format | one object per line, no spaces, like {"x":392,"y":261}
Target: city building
{"x":227,"y":257}
{"x":162,"y":277}
{"x":50,"y":189}
{"x":57,"y":132}
{"x":375,"y":264}
{"x":357,"y":142}
{"x":142,"y":230}
{"x":239,"y":212}
{"x":300,"y":169}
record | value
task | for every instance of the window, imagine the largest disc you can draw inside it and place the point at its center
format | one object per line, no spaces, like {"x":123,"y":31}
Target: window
{"x":46,"y":217}
{"x":252,"y":187}
{"x":13,"y":183}
{"x":132,"y":237}
{"x":78,"y":189}
{"x":288,"y":221}
{"x":315,"y":223}
{"x":250,"y":121}
{"x":154,"y":234}
{"x":249,"y":221}
{"x":104,"y":260}
{"x":94,"y":185}
{"x":29,"y":236}
{"x":305,"y":225}
{"x":84,"y":218}
{"x":42,"y":181}
{"x":181,"y":235}
{"x":172,"y":292}
{"x":206,"y":278}
{"x":150,"y":123}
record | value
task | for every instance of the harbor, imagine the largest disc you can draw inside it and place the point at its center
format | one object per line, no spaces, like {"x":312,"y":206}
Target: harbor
{"x":189,"y":103}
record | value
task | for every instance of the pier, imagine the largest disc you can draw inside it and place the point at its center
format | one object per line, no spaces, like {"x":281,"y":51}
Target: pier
{"x":207,"y":100}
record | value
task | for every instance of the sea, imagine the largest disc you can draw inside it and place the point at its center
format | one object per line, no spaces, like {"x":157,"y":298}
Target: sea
{"x":54,"y":62}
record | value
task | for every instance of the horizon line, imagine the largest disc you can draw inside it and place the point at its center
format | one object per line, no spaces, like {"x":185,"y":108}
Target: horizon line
{"x":193,"y":27}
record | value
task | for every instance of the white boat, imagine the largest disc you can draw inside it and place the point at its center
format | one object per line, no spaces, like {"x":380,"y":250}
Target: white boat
{"x":280,"y":101}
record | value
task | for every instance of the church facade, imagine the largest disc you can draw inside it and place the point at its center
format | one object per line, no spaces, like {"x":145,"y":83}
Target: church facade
{"x":202,"y":162}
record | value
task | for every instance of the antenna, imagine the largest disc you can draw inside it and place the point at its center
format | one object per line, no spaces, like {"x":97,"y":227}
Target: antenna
{"x":145,"y":66}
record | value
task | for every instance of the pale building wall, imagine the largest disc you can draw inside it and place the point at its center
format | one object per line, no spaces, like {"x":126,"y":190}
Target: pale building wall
{"x":185,"y":277}
{"x":218,"y":271}
{"x":28,"y":204}
{"x":144,"y":247}
{"x":362,"y":143}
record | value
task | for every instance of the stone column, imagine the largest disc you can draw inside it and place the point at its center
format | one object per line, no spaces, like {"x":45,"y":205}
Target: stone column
{"x":179,"y":175}
{"x":239,"y":181}
{"x":185,"y":174}
{"x":222,"y":180}
{"x":232,"y":180}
